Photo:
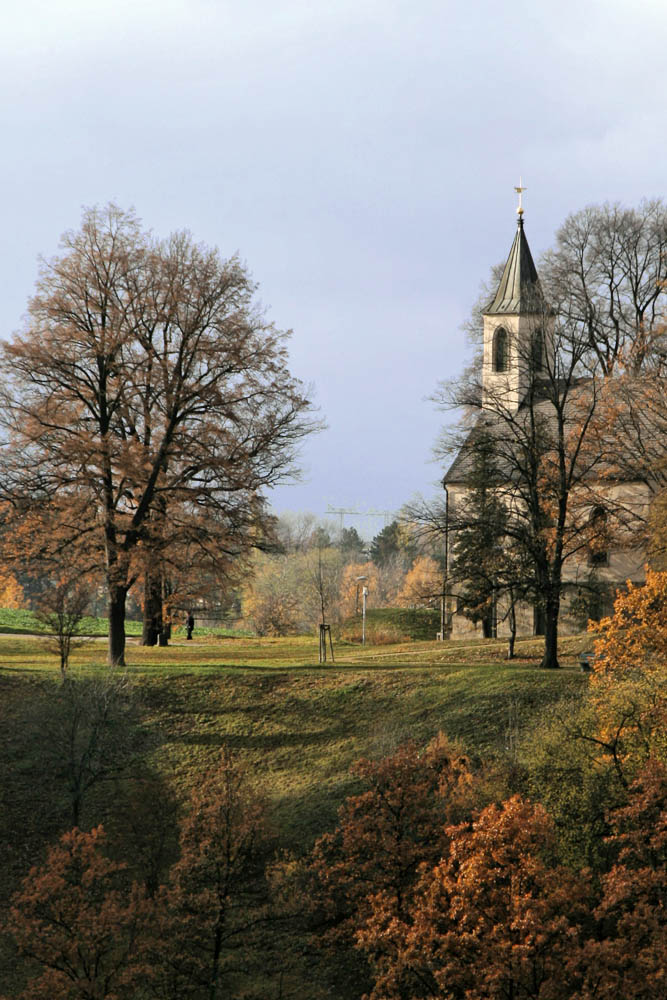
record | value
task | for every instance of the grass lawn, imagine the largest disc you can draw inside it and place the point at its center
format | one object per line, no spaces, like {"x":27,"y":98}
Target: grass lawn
{"x":301,"y":725}
{"x":23,"y":622}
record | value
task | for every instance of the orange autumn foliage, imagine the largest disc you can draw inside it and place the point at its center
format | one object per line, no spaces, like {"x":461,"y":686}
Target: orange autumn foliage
{"x":629,"y":682}
{"x":627,"y":958}
{"x":75,"y":919}
{"x":387,"y":831}
{"x":95,"y":937}
{"x":351,"y":587}
{"x":493,"y":919}
{"x":423,"y":584}
{"x":11,"y":591}
{"x":635,"y":636}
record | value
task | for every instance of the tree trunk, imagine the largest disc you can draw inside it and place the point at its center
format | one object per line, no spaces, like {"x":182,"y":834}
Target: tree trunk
{"x":550,"y":656}
{"x":64,"y":657}
{"x":152,"y":609}
{"x":512,"y":623}
{"x":217,"y":951}
{"x":117,"y":598}
{"x":487,"y":625}
{"x":76,"y":809}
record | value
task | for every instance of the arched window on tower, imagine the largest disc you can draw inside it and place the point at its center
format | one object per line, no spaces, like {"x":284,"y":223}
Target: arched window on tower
{"x":598,"y":550}
{"x":537,"y":350}
{"x":500,"y":350}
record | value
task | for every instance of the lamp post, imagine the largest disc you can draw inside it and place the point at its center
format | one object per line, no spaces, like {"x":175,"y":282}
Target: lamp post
{"x":364,"y":595}
{"x":445,"y":580}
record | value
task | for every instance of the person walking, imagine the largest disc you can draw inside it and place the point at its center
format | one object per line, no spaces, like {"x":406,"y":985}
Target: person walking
{"x":190,"y":624}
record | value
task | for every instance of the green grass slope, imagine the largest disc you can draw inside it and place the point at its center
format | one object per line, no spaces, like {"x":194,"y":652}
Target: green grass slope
{"x":23,"y":622}
{"x":298,"y":725}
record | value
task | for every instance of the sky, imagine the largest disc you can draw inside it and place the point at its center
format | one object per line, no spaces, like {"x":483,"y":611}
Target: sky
{"x":359,"y":155}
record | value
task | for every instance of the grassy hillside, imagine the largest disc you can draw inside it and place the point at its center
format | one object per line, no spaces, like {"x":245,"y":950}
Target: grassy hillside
{"x":23,"y":622}
{"x":394,"y":624}
{"x":410,"y":623}
{"x":298,"y":725}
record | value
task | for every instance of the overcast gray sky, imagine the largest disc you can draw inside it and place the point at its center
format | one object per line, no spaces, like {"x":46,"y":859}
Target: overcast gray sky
{"x":359,"y":156}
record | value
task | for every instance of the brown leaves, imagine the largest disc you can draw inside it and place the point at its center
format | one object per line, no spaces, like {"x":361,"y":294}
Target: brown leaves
{"x":75,"y":918}
{"x":149,"y":390}
{"x":386,"y":832}
{"x":628,"y":958}
{"x":11,"y":591}
{"x":445,"y":901}
{"x":629,"y":683}
{"x":97,"y":937}
{"x":494,"y":918}
{"x":423,"y":584}
{"x":482,"y":909}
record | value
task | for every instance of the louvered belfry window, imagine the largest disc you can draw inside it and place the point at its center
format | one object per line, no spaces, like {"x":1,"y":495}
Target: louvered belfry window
{"x":500,"y":350}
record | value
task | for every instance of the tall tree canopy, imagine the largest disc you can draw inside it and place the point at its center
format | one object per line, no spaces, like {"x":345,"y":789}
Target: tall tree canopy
{"x":145,"y":406}
{"x":607,"y":275}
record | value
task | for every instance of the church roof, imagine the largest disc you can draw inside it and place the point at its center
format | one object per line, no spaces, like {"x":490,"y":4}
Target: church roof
{"x":519,"y":290}
{"x":504,"y":433}
{"x":462,"y":468}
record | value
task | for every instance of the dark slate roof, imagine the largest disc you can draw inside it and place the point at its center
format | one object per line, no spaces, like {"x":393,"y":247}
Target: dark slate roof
{"x":519,"y":290}
{"x":493,"y":425}
{"x":463,"y":466}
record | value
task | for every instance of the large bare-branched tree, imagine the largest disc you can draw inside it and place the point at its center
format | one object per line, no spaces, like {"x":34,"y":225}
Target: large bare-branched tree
{"x":606,"y":277}
{"x":146,"y":406}
{"x":544,"y":478}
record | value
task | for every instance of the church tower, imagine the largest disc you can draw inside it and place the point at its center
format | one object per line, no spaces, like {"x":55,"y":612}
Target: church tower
{"x":518,"y":330}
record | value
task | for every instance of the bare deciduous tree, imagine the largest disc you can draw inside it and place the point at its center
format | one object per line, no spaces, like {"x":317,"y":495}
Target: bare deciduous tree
{"x":91,"y":734}
{"x":147,"y":405}
{"x":61,"y":608}
{"x":606,"y":279}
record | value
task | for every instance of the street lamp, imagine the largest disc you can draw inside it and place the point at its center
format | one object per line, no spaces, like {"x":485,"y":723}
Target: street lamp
{"x":364,"y":595}
{"x":445,"y":581}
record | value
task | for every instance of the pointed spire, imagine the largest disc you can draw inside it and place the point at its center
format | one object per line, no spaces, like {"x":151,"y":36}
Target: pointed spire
{"x":519,"y":290}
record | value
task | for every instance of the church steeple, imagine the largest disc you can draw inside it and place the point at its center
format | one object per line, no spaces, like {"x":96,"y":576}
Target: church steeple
{"x":519,"y":290}
{"x":518,"y":329}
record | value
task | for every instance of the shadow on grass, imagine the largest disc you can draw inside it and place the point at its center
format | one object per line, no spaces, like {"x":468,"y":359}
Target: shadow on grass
{"x":304,"y":815}
{"x":263,"y":741}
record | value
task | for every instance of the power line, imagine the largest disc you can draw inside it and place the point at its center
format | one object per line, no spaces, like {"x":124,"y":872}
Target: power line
{"x":355,"y":512}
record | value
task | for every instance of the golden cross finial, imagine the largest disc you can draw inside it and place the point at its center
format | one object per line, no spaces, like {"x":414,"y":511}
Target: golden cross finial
{"x":519,"y":190}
